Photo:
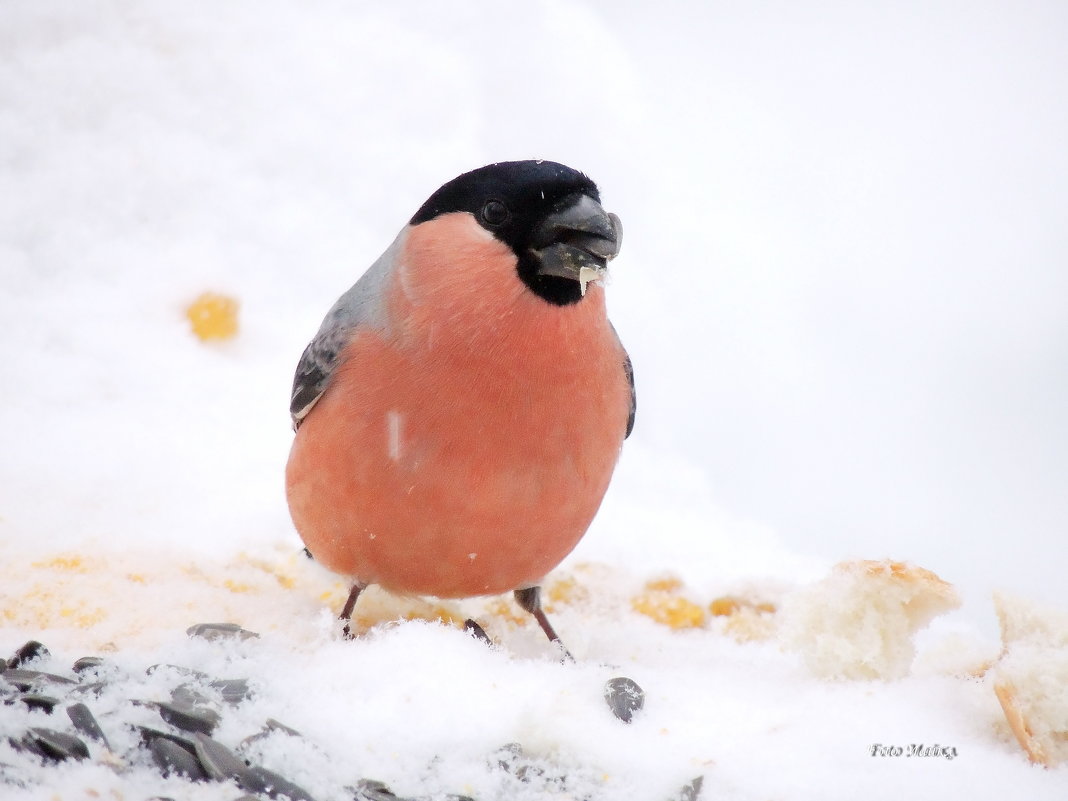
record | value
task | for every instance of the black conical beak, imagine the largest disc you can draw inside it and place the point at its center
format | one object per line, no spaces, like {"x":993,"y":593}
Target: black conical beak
{"x":577,"y":242}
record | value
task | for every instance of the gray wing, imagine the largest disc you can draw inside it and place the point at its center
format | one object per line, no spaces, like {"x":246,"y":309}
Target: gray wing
{"x":362,"y":305}
{"x":314,"y":370}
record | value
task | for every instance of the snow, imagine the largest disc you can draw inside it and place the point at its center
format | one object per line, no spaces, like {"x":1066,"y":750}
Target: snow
{"x":842,"y":288}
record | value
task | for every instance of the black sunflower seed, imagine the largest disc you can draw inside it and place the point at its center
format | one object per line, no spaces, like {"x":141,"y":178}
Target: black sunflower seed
{"x":261,"y":780}
{"x":172,"y":759}
{"x":27,"y":679}
{"x":473,"y":628}
{"x":220,"y":631}
{"x":625,"y":698}
{"x":187,"y":695}
{"x":189,"y":718}
{"x":149,"y":734}
{"x":690,"y":791}
{"x":58,"y":745}
{"x":84,"y":722}
{"x":179,"y":669}
{"x":373,"y":790}
{"x":28,"y":653}
{"x":218,"y":761}
{"x":28,"y":745}
{"x":274,"y":725}
{"x":269,"y":727}
{"x":87,"y":663}
{"x":233,"y":691}
{"x":93,"y":688}
{"x":35,"y":701}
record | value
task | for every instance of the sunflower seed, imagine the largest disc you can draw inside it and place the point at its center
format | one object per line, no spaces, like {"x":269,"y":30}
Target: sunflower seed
{"x":35,"y":701}
{"x":172,"y":759}
{"x":84,"y":722}
{"x":59,"y":746}
{"x":218,"y":761}
{"x":29,"y":652}
{"x":179,"y":669}
{"x":149,"y":734}
{"x":373,"y":790}
{"x":219,"y":631}
{"x":690,"y":791}
{"x":625,"y":698}
{"x":187,"y":695}
{"x":189,"y":718}
{"x":87,"y":663}
{"x":261,"y":780}
{"x":27,"y":679}
{"x":233,"y":691}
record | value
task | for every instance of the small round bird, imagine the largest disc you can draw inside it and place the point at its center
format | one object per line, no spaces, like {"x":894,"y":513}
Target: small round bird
{"x":461,"y":410}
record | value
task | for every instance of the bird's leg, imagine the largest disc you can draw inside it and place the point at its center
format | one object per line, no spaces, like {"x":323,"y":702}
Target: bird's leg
{"x":530,"y":600}
{"x":350,"y":604}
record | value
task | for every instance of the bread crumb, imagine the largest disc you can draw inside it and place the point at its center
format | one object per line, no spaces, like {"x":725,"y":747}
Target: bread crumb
{"x":859,"y":622}
{"x":1030,"y":679}
{"x":744,"y":619}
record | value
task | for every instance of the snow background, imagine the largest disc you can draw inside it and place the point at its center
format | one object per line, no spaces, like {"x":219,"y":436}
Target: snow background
{"x":843,"y":288}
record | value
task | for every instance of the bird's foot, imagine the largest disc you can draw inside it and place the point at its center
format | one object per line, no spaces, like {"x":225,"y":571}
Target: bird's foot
{"x":529,"y":599}
{"x":346,"y":610}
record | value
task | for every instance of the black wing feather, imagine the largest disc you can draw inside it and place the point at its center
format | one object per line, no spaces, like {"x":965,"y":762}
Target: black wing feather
{"x":628,"y":370}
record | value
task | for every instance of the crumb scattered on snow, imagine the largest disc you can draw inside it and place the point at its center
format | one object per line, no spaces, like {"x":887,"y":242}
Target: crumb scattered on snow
{"x":859,"y":622}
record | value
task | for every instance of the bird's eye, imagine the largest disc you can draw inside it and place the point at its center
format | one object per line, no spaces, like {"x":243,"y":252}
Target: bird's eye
{"x":495,"y":213}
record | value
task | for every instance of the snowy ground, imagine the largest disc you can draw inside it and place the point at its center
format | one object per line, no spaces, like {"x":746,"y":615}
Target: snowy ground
{"x":842,"y":286}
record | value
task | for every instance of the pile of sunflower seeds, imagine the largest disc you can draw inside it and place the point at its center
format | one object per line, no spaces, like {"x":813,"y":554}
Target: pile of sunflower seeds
{"x":179,"y":743}
{"x":176,"y":736}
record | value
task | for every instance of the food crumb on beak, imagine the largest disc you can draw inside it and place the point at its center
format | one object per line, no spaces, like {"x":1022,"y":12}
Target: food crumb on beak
{"x":587,"y":274}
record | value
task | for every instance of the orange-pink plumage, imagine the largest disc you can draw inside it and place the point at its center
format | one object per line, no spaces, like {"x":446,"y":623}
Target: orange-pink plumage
{"x":469,"y":404}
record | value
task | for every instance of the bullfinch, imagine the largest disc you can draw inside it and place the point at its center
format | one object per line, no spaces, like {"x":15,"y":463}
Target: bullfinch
{"x":460,"y":412}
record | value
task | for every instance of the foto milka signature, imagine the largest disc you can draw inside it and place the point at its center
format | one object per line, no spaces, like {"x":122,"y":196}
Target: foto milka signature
{"x":914,"y":750}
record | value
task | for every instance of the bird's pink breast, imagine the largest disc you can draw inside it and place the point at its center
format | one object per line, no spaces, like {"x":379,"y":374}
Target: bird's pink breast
{"x":465,"y":450}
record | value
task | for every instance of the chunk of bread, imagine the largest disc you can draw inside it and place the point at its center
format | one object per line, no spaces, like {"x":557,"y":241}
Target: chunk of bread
{"x":859,"y":622}
{"x":1031,"y":677}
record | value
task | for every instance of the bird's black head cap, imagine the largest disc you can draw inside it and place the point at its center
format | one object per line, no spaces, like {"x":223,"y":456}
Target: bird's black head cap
{"x":511,"y":199}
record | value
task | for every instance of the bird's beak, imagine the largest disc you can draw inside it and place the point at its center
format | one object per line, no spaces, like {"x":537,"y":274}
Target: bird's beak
{"x":577,"y":242}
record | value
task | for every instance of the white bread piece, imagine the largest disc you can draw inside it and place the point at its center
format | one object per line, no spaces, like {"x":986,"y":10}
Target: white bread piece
{"x":859,"y":622}
{"x":1031,"y":678}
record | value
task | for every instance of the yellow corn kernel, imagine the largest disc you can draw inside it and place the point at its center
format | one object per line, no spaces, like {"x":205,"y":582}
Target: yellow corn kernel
{"x":664,"y":584}
{"x":673,"y":611}
{"x":213,"y":316}
{"x":725,"y":606}
{"x":72,"y":564}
